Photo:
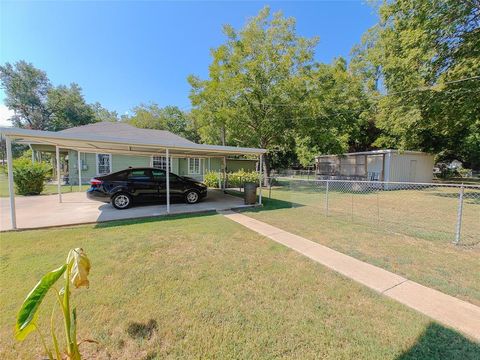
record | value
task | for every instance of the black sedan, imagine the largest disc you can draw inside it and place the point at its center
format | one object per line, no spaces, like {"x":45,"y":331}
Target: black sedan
{"x":144,"y":185}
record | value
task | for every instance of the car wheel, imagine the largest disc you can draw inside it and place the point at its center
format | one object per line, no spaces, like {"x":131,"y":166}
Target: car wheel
{"x":121,"y":201}
{"x":192,"y":197}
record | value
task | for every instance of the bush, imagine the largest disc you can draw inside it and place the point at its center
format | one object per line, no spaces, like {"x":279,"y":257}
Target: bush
{"x":29,"y":178}
{"x":211,"y":179}
{"x":234,"y":179}
{"x":238,"y":178}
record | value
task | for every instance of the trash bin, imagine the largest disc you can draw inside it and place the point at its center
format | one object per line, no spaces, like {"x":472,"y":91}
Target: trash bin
{"x":250,"y":193}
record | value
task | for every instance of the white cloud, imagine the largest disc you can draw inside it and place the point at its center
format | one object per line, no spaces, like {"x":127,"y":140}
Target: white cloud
{"x":5,"y":114}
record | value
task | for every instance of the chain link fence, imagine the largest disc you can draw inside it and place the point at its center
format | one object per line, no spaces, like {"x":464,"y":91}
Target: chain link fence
{"x":447,"y":212}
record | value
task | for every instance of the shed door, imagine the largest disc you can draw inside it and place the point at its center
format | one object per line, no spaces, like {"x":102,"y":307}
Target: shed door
{"x":413,"y":170}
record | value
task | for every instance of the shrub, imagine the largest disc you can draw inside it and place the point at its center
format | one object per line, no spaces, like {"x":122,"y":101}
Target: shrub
{"x":234,"y":179}
{"x":465,"y":173}
{"x":238,"y":178}
{"x":211,"y":179}
{"x":29,"y":177}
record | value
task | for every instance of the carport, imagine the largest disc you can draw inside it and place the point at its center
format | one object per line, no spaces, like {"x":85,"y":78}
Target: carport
{"x":93,"y":143}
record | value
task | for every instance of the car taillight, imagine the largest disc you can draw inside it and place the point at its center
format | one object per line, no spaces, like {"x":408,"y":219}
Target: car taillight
{"x":95,"y":182}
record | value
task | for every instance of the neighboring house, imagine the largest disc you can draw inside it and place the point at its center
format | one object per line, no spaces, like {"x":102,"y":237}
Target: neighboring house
{"x":377,"y":165}
{"x":103,"y":162}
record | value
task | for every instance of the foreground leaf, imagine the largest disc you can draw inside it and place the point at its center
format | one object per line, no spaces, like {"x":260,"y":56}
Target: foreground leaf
{"x":80,"y":267}
{"x":28,"y":311}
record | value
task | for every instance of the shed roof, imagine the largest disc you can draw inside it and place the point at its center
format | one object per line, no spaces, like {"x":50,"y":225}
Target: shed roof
{"x":124,"y":138}
{"x":378,"y":152}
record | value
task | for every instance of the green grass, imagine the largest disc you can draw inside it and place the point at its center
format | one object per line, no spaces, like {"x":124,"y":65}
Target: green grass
{"x":205,"y":287}
{"x":410,"y":238}
{"x":48,"y":190}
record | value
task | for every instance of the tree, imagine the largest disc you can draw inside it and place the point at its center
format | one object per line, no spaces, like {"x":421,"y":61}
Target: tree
{"x":335,"y":116}
{"x":255,"y":80}
{"x":26,"y":88}
{"x":428,"y":56}
{"x":68,"y":108}
{"x":103,"y":114}
{"x":169,"y":118}
{"x":40,"y":106}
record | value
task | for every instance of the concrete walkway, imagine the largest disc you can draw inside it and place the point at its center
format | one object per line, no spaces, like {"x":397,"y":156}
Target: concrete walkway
{"x":443,"y":308}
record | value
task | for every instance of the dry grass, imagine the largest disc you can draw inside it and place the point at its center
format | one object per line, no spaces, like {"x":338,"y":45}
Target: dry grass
{"x":205,"y":287}
{"x":403,"y":241}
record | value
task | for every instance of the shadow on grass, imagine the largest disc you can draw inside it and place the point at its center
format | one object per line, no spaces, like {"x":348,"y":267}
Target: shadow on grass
{"x":150,"y":219}
{"x":138,"y":330}
{"x":438,"y":342}
{"x":268,"y":203}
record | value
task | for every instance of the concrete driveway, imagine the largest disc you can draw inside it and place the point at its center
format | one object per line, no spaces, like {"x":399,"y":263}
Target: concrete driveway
{"x":45,"y":210}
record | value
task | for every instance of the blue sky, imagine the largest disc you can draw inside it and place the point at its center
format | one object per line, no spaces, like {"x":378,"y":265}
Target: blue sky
{"x":126,"y":53}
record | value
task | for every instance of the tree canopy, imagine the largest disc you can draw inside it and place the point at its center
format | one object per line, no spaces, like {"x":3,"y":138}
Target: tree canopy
{"x":169,"y":118}
{"x":426,"y":54}
{"x":265,"y":90}
{"x":39,"y":105}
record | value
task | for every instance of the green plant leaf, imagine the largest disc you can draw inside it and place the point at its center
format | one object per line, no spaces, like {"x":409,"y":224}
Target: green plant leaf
{"x":28,"y":311}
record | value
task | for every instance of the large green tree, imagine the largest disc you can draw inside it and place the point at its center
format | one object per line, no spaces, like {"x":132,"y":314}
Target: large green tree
{"x":39,"y":105}
{"x":26,"y":89}
{"x":171,"y":118}
{"x":68,"y":108}
{"x":256,"y":81}
{"x":103,"y":114}
{"x":335,"y":116}
{"x":426,"y":56}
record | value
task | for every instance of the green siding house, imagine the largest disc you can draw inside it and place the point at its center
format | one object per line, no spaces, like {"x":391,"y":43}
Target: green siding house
{"x":103,"y":162}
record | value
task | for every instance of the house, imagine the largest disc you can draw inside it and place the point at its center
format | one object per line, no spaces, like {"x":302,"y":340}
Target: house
{"x":377,"y":165}
{"x":94,"y":163}
{"x":104,"y":147}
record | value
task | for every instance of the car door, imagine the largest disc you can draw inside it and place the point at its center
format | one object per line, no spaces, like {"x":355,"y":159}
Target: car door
{"x":142,"y":185}
{"x":159,"y":176}
{"x":176,"y":185}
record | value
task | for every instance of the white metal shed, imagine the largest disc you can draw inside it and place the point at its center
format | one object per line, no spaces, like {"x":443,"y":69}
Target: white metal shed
{"x":377,"y":165}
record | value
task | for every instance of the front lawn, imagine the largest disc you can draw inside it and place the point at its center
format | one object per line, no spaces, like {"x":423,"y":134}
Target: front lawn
{"x":408,"y":236}
{"x":205,"y":287}
{"x":48,"y":190}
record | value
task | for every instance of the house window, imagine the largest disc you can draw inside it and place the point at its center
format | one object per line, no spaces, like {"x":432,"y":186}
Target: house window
{"x":104,"y":164}
{"x":160,"y":162}
{"x":193,"y":165}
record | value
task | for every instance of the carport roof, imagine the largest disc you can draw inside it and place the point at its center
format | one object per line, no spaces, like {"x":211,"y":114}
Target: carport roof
{"x":124,"y":138}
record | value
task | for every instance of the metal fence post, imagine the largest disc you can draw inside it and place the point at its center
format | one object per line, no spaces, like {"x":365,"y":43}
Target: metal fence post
{"x":326,"y":199}
{"x":459,"y":216}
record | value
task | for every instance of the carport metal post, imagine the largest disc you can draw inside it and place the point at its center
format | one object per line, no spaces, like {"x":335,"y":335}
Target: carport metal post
{"x":11,"y":191}
{"x":33,"y":154}
{"x":59,"y":186}
{"x":260,"y":179}
{"x":224,"y":186}
{"x":79,"y":166}
{"x":167,"y":159}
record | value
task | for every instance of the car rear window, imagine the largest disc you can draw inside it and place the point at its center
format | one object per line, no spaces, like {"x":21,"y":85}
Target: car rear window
{"x":140,"y":174}
{"x":118,"y":176}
